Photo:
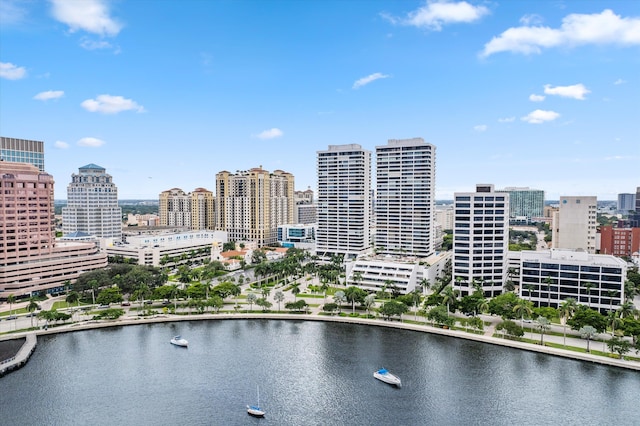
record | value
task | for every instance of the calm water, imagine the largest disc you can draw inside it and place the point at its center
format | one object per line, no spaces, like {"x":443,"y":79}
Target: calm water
{"x":308,"y":373}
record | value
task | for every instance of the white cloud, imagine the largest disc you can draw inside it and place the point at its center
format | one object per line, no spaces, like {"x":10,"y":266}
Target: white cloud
{"x":89,"y":44}
{"x":506,"y":120}
{"x":480,"y":128}
{"x":50,"y":94}
{"x":435,"y":14}
{"x":531,"y":19}
{"x":91,"y":142}
{"x":12,"y":12}
{"x":11,"y":72}
{"x":108,"y":104}
{"x":576,"y":91}
{"x":576,"y":29}
{"x":536,"y":98}
{"x":270,"y":134}
{"x":619,"y":81}
{"x":540,"y":116}
{"x":60,"y":145}
{"x":368,"y":79}
{"x":88,"y":15}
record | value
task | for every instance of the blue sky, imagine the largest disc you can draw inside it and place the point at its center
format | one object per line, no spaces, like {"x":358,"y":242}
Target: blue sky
{"x":165,"y":94}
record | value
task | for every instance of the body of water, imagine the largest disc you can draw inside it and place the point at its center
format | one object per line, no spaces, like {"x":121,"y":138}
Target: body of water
{"x":308,"y":373}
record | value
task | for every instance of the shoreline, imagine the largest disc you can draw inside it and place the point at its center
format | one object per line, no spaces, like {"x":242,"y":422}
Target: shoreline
{"x":25,"y":352}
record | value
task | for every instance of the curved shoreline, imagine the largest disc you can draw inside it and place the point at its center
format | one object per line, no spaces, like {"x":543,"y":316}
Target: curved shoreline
{"x":27,"y":349}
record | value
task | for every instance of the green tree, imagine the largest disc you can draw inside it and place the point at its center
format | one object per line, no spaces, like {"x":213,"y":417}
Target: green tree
{"x":354,"y":294}
{"x":619,"y":345}
{"x":31,"y":307}
{"x":476,"y":323}
{"x":542,"y":324}
{"x":440,"y":315}
{"x":450,"y":298}
{"x":330,"y":307}
{"x":588,"y":287}
{"x":510,"y":328}
{"x":251,"y":299}
{"x":339,"y":297}
{"x":503,"y":304}
{"x":586,"y":316}
{"x":369,"y":302}
{"x":392,"y":308}
{"x":109,"y":295}
{"x":11,"y":299}
{"x":295,"y":290}
{"x":565,"y":311}
{"x":588,"y":332}
{"x":278,"y":297}
{"x":264,"y":304}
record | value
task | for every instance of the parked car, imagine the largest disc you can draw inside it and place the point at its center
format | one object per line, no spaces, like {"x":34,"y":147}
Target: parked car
{"x":10,"y":317}
{"x":126,"y":304}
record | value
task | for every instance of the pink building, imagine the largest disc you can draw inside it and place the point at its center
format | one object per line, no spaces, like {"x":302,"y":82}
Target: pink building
{"x":30,"y":259}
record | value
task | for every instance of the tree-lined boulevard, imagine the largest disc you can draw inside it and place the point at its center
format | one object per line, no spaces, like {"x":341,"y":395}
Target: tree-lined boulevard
{"x":300,"y":286}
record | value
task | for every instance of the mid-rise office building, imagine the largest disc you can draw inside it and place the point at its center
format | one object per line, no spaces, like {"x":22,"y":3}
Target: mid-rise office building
{"x":549,"y":277}
{"x":306,"y":214}
{"x":22,"y":151}
{"x":344,"y":201}
{"x":525,"y":204}
{"x":251,"y":204}
{"x":31,"y":261}
{"x":405,"y":198}
{"x":480,"y":240}
{"x":574,"y":224}
{"x":626,"y":203}
{"x":621,"y":242}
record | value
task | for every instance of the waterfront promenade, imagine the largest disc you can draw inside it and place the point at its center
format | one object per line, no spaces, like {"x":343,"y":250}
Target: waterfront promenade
{"x":315,"y":315}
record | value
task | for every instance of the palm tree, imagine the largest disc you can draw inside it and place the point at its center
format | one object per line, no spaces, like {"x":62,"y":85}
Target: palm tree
{"x":530,"y":288}
{"x":324,"y":287}
{"x":425,"y":284}
{"x":611,"y":294}
{"x":295,"y":290}
{"x":627,"y":309}
{"x":613,"y":320}
{"x":251,"y":298}
{"x":449,"y":295}
{"x":547,"y":284}
{"x":32,"y":306}
{"x":588,"y":287}
{"x":543,"y":325}
{"x":11,"y":299}
{"x":482,"y":305}
{"x":352,"y":294}
{"x":630,"y":290}
{"x":278,"y":297}
{"x":174,"y":293}
{"x":369,"y":302}
{"x":566,"y":311}
{"x":521,"y":308}
{"x":339,"y":298}
{"x":356,"y":277}
{"x":416,"y":296}
{"x":588,"y":332}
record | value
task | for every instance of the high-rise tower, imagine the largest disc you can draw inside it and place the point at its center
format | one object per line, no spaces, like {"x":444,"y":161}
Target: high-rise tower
{"x":22,"y":151}
{"x":344,"y":201}
{"x":92,"y":204}
{"x":250,"y":205}
{"x":480,"y":240}
{"x":405,"y":199}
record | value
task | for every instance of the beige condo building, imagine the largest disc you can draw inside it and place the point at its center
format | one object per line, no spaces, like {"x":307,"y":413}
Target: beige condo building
{"x":194,"y":210}
{"x":251,"y":204}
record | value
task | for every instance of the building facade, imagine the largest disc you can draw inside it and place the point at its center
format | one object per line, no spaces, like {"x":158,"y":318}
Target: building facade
{"x":480,"y":240}
{"x":31,"y":261}
{"x":622,"y":242}
{"x":174,"y":208}
{"x":250,"y":205}
{"x":22,"y":151}
{"x":626,"y":203}
{"x":574,"y":225}
{"x":525,"y":204}
{"x":405,"y":198}
{"x":92,"y":204}
{"x":344,"y":201}
{"x":549,"y":277}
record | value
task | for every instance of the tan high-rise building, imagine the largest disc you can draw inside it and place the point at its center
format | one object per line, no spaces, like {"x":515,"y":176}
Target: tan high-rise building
{"x":194,"y":210}
{"x":574,"y":224}
{"x":251,"y":204}
{"x":31,"y":261}
{"x":202,"y":209}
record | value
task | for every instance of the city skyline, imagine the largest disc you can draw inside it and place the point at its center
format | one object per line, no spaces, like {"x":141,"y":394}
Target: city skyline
{"x":518,"y":94}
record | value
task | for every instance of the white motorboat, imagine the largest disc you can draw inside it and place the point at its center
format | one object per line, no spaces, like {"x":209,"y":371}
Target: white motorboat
{"x":387,"y":377}
{"x":179,"y":341}
{"x":255,"y":410}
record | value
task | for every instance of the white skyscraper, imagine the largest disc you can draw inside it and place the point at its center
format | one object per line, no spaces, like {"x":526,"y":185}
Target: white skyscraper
{"x":344,"y":201}
{"x":574,"y":224}
{"x":92,"y":204}
{"x":480,"y":240}
{"x":405,"y":198}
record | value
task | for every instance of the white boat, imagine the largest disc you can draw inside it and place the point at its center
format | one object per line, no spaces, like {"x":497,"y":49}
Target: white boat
{"x":387,"y":377}
{"x":179,"y":341}
{"x":255,"y":410}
